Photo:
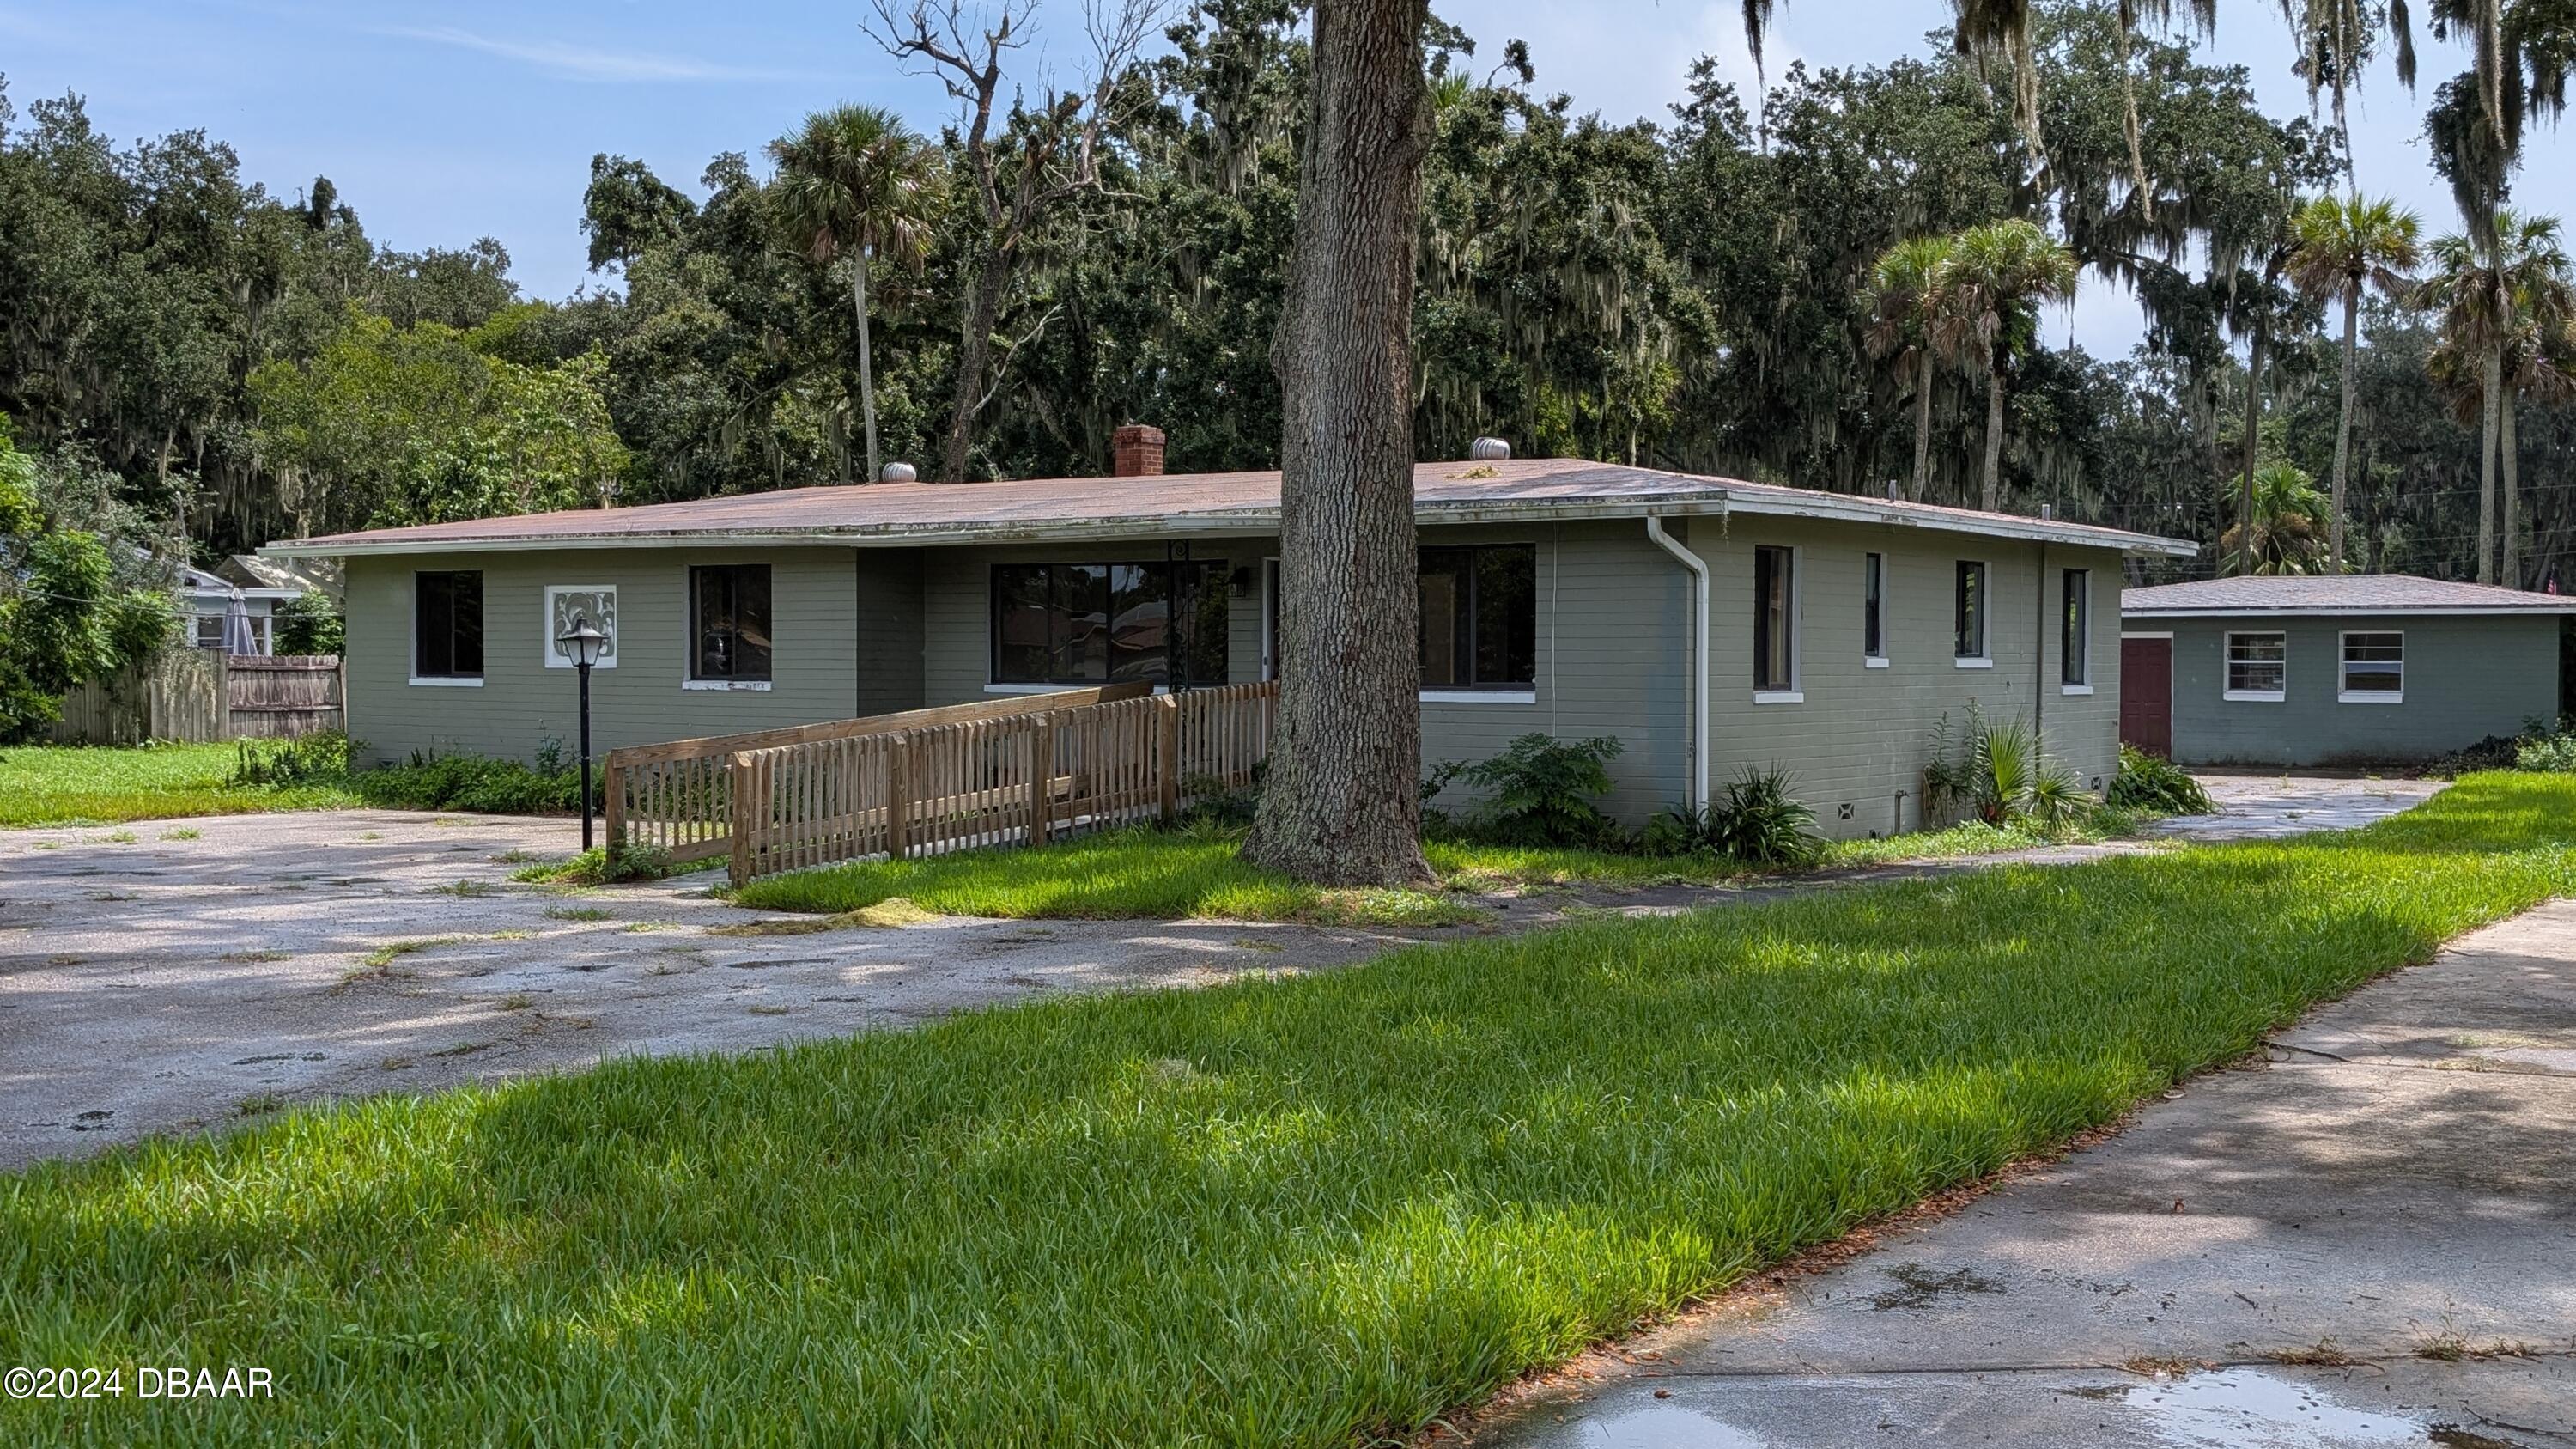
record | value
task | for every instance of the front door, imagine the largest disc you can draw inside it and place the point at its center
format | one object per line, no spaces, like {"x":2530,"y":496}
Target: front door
{"x":2146,"y":694}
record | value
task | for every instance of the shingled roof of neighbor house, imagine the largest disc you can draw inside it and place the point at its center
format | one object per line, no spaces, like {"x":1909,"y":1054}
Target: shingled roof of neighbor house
{"x":1207,"y":504}
{"x":2336,"y":594}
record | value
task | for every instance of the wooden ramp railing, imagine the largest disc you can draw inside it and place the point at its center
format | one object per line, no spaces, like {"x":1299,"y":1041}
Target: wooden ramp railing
{"x":1008,"y":771}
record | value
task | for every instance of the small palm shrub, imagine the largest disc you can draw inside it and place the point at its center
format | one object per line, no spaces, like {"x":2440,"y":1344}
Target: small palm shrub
{"x":1539,"y":791}
{"x":1758,"y":820}
{"x":1998,"y":772}
{"x":2153,"y":785}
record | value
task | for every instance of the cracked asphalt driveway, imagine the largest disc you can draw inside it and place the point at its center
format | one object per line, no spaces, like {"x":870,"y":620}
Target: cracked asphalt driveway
{"x":2369,"y":1239}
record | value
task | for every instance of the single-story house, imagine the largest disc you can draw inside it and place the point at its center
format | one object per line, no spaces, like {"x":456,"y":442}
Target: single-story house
{"x":1707,"y":624}
{"x":209,"y":599}
{"x":2335,"y":670}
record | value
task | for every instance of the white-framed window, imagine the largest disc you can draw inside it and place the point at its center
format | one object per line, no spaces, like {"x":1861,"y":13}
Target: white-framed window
{"x":729,"y":633}
{"x":2374,"y":668}
{"x":1775,"y":625}
{"x":1969,"y":607}
{"x":447,"y":627}
{"x":1873,"y":610}
{"x":2075,"y":632}
{"x":2258,"y":667}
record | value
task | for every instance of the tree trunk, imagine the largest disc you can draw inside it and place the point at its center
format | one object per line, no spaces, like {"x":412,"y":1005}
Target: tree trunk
{"x":1990,"y":493}
{"x":2492,"y":387}
{"x":2343,"y":424}
{"x":2253,"y":448}
{"x":2510,"y":467}
{"x":1341,"y":804}
{"x":974,"y":352}
{"x":1923,"y":430}
{"x":867,"y":369}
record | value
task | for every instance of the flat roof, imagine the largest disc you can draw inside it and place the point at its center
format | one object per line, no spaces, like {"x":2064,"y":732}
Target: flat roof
{"x":1199,"y":504}
{"x":2333,"y":594}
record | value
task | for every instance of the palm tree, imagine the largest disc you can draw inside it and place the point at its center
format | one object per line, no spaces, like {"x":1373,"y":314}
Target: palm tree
{"x":856,"y":180}
{"x":1906,"y":297}
{"x":2503,"y":299}
{"x":2339,"y":247}
{"x":1996,"y":274}
{"x":2282,"y":535}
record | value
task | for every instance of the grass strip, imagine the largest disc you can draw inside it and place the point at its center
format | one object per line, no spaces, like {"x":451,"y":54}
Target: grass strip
{"x":1291,"y":1211}
{"x":85,"y":785}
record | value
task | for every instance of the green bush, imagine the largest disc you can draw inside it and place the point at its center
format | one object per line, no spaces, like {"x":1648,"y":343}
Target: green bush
{"x":1998,"y":772}
{"x":1539,"y":791}
{"x":310,"y":623}
{"x":603,"y":865}
{"x":320,"y":758}
{"x":2154,"y":785}
{"x":470,"y":782}
{"x":1758,"y":820}
{"x":2550,"y":754}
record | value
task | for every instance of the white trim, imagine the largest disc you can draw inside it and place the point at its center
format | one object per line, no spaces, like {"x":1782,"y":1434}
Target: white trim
{"x":2085,"y":683}
{"x":448,"y":681}
{"x":2255,"y":696}
{"x":1985,"y":663}
{"x":2227,"y":663}
{"x":1796,"y":604}
{"x":2370,"y":696}
{"x":1985,"y":612}
{"x":2074,"y":689}
{"x":2146,"y":633}
{"x":1479,"y":696}
{"x":1873,"y":661}
{"x":1698,"y":567}
{"x":2343,"y":669}
{"x":2381,"y":611}
{"x":1779,"y":696}
{"x":742,"y":686}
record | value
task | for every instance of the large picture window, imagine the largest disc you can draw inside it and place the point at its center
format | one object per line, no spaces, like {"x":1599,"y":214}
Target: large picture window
{"x":1480,"y":617}
{"x":1970,"y":641}
{"x":2258,"y":666}
{"x":1775,"y":620}
{"x":447,"y":625}
{"x":729,"y":634}
{"x":2374,"y":669}
{"x":2075,"y":629}
{"x":1102,"y":623}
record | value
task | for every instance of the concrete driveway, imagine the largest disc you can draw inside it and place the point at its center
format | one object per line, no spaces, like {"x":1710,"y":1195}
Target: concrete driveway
{"x":187,"y":974}
{"x":2369,"y":1239}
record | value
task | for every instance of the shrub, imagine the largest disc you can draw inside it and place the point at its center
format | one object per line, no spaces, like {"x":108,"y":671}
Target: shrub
{"x":469,"y":782}
{"x":1758,"y":821}
{"x":2157,"y":786}
{"x":1998,"y":771}
{"x":318,"y":758}
{"x":603,"y":865}
{"x":310,"y":623}
{"x":1539,"y":791}
{"x":1217,"y":806}
{"x":2550,"y":754}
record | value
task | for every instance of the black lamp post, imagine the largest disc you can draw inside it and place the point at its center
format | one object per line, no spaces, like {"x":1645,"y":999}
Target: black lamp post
{"x":584,"y":639}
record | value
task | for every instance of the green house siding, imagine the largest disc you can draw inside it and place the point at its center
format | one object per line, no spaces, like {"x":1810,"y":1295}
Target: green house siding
{"x":2467,"y":677}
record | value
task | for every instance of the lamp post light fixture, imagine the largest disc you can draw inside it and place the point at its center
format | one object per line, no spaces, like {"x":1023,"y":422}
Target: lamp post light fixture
{"x":584,"y":640}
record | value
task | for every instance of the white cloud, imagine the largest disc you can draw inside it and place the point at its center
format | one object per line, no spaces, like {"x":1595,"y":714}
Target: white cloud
{"x":590,"y":63}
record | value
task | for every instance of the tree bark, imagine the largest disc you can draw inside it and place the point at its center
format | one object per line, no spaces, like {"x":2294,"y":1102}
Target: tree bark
{"x":974,"y":354}
{"x":867,"y":369}
{"x":1990,"y":494}
{"x":1341,"y":804}
{"x":2510,"y":468}
{"x":2492,"y":385}
{"x":2343,"y":424}
{"x":1923,"y":429}
{"x":2253,"y":449}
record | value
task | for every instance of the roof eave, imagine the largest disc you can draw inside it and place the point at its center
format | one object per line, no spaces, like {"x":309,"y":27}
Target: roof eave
{"x":1846,"y":507}
{"x":2346,"y":611}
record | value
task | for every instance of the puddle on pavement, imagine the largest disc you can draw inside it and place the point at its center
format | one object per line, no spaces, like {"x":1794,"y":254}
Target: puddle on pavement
{"x":1665,"y":1426}
{"x":2244,"y":1409}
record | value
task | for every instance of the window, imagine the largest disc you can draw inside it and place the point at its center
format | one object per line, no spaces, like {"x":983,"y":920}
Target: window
{"x":729,"y":639}
{"x":1970,"y":645}
{"x":210,"y":631}
{"x":1103,"y":623}
{"x":1480,"y":617}
{"x":1873,"y":607}
{"x":447,"y":626}
{"x":2075,"y":630}
{"x":2374,"y":669}
{"x":1775,"y":623}
{"x":2258,"y":666}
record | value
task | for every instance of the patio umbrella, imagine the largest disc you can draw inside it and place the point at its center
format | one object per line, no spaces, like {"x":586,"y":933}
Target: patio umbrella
{"x":238,"y":638}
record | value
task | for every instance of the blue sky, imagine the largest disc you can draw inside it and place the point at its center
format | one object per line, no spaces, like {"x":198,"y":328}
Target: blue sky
{"x":444,"y":122}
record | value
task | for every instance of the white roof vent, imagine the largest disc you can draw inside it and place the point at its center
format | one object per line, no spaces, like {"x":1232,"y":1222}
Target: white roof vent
{"x":1489,"y":450}
{"x":898,"y":472}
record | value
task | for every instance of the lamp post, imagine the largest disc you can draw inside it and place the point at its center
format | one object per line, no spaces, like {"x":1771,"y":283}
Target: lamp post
{"x":584,"y":639}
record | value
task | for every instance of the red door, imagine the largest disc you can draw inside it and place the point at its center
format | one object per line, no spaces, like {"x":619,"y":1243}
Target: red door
{"x":2146,"y":695}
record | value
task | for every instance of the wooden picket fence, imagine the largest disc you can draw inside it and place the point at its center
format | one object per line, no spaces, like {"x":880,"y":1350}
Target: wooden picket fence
{"x":1001,"y":772}
{"x":281,"y":696}
{"x":198,"y":695}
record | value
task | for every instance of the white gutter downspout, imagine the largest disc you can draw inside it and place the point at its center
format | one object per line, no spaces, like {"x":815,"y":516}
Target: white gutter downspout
{"x":1699,"y":640}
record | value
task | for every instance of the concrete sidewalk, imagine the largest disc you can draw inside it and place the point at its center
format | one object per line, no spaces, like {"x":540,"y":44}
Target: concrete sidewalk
{"x":2368,"y":1240}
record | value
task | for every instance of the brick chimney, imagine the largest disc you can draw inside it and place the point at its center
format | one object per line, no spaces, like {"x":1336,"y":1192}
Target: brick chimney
{"x":1136,"y":451}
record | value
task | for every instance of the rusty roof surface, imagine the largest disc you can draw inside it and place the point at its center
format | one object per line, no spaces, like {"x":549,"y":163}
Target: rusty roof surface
{"x":1039,"y":508}
{"x":2338,"y":594}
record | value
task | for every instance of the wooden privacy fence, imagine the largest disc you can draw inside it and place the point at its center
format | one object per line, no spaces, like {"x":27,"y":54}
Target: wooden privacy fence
{"x":996,"y":773}
{"x":198,"y":695}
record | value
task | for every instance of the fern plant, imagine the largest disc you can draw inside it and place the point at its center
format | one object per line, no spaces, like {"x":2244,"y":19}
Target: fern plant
{"x":1539,"y":791}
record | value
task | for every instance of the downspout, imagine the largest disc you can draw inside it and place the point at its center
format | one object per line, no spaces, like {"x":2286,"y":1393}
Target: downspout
{"x":1699,"y":642}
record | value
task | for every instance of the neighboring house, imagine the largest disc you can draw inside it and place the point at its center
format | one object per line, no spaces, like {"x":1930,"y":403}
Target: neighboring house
{"x":209,"y":597}
{"x":1557,"y":596}
{"x":2343,"y":670}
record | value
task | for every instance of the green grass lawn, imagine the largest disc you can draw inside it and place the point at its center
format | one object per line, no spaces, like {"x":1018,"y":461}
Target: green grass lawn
{"x":87,"y":785}
{"x":1295,"y":1210}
